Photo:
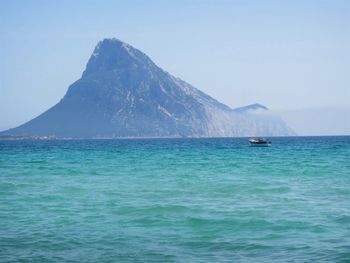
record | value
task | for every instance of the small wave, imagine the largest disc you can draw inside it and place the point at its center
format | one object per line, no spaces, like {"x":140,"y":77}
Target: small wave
{"x":343,"y":219}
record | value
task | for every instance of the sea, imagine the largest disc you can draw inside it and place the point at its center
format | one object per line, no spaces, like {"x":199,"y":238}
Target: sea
{"x":175,"y":200}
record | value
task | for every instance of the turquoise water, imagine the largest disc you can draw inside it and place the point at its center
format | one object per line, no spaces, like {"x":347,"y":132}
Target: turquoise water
{"x":175,"y":200}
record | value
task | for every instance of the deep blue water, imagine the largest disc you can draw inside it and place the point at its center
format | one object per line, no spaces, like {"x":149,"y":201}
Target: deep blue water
{"x":175,"y":200}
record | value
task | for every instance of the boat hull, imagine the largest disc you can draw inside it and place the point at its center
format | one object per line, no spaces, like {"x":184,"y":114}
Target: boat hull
{"x":259,"y":142}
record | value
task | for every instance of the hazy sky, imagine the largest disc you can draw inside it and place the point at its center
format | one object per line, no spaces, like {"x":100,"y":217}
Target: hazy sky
{"x":292,"y":56}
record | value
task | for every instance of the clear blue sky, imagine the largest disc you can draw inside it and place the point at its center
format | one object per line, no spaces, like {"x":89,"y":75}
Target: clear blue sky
{"x":287,"y":55}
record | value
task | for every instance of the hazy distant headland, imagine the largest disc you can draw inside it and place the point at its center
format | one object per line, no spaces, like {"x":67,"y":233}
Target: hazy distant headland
{"x":122,"y":93}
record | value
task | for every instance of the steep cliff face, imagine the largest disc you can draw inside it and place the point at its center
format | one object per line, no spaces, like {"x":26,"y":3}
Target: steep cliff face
{"x":122,"y":93}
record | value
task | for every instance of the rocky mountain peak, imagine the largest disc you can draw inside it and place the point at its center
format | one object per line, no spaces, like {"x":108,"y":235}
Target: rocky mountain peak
{"x":113,"y":55}
{"x":122,"y":93}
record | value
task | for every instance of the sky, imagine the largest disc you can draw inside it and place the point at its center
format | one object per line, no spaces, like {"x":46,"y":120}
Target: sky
{"x":291,"y":56}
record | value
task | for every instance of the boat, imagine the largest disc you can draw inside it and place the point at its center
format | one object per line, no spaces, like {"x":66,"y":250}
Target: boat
{"x":262,"y":142}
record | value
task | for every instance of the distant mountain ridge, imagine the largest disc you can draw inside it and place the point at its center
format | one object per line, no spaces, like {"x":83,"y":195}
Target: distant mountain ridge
{"x":251,"y":107}
{"x":122,"y":93}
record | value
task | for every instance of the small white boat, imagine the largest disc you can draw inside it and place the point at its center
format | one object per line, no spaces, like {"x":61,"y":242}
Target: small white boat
{"x":261,"y":142}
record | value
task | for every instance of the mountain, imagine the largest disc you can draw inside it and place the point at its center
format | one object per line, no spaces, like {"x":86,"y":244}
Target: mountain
{"x":258,"y":120}
{"x":250,"y":108}
{"x":122,"y":93}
